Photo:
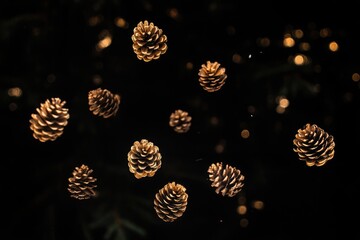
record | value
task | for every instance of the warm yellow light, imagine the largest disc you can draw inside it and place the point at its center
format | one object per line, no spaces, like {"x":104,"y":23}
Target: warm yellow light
{"x":288,"y":42}
{"x":104,"y":43}
{"x":284,"y":102}
{"x":263,"y":42}
{"x":173,"y":13}
{"x":304,"y":46}
{"x":220,"y":147}
{"x":14,"y":92}
{"x":298,"y":33}
{"x":280,"y":109}
{"x":325,"y":32}
{"x":214,"y":120}
{"x":94,"y":20}
{"x":189,"y":65}
{"x":300,"y":59}
{"x":120,"y":22}
{"x":333,"y":46}
{"x":259,"y":205}
{"x":355,"y":77}
{"x":241,"y":209}
{"x":245,"y":133}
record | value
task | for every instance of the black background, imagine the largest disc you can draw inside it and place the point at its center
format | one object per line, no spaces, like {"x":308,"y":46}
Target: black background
{"x":48,"y":49}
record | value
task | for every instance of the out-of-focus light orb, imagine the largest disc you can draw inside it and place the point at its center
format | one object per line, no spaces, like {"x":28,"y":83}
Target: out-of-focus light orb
{"x":300,"y":59}
{"x":214,"y":120}
{"x":237,"y":58}
{"x":94,"y":20}
{"x":245,"y":133}
{"x":121,"y":22}
{"x":242,"y":200}
{"x":220,"y":147}
{"x":14,"y":92}
{"x":97,"y":79}
{"x":288,"y":42}
{"x":244,"y":222}
{"x":263,"y":42}
{"x":355,"y":77}
{"x":304,"y":46}
{"x":280,"y":109}
{"x":325,"y":32}
{"x":241,"y":209}
{"x":284,"y":102}
{"x":173,"y":13}
{"x":189,"y":66}
{"x":298,"y":33}
{"x":333,"y":46}
{"x":259,"y":205}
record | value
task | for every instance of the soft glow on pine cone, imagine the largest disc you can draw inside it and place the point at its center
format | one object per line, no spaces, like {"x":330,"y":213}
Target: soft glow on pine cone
{"x":149,"y":41}
{"x":227,"y":181}
{"x":180,"y":121}
{"x":103,"y":103}
{"x":313,"y":145}
{"x":49,"y":121}
{"x":81,"y":184}
{"x":171,"y":201}
{"x":211,"y":76}
{"x":144,"y":159}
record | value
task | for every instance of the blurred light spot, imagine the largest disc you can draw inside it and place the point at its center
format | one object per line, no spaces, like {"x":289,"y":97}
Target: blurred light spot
{"x":249,"y":56}
{"x":263,"y":42}
{"x":121,"y":23}
{"x":220,"y":147}
{"x":221,"y":220}
{"x":97,"y":79}
{"x":231,"y":30}
{"x":259,"y":205}
{"x":284,"y":102}
{"x":214,"y":120}
{"x":333,"y":46}
{"x":189,"y":65}
{"x":173,"y":13}
{"x":304,"y":46}
{"x":280,"y":109}
{"x":244,"y":222}
{"x":237,"y":58}
{"x":147,"y":6}
{"x":242,"y":200}
{"x":14,"y":92}
{"x":241,"y":209}
{"x":288,"y":42}
{"x":13,"y":106}
{"x":105,"y":40}
{"x":94,"y":20}
{"x":298,"y":33}
{"x":300,"y":59}
{"x":245,"y":134}
{"x":355,"y":77}
{"x":325,"y":32}
{"x":51,"y":78}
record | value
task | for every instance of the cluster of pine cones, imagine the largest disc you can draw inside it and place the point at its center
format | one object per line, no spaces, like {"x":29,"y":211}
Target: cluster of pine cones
{"x":312,"y":144}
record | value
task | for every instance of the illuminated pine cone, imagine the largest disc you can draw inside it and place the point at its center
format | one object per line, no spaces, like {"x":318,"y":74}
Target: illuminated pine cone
{"x":149,"y":41}
{"x":211,"y":76}
{"x":171,"y":201}
{"x":81,"y":185}
{"x":103,"y":103}
{"x":49,"y":121}
{"x":228,"y":181}
{"x":144,"y":159}
{"x":313,"y":145}
{"x":180,"y":121}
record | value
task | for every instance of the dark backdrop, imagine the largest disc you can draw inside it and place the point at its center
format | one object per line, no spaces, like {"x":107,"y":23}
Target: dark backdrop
{"x":48,"y":49}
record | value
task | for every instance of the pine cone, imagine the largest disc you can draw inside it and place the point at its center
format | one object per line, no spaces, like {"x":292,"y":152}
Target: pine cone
{"x":313,"y":145}
{"x":170,"y":202}
{"x":49,"y":121}
{"x":228,"y":181}
{"x":212,"y":76}
{"x":180,"y":121}
{"x":103,"y":103}
{"x":81,"y":185}
{"x":144,"y":159}
{"x":149,"y":41}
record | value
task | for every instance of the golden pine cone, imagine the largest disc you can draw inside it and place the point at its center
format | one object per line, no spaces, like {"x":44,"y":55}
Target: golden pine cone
{"x":49,"y":121}
{"x":149,"y":41}
{"x":171,"y":201}
{"x":313,"y":145}
{"x":228,"y":181}
{"x":103,"y":103}
{"x":144,"y":159}
{"x":81,"y":185}
{"x":180,"y":121}
{"x":211,"y":76}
